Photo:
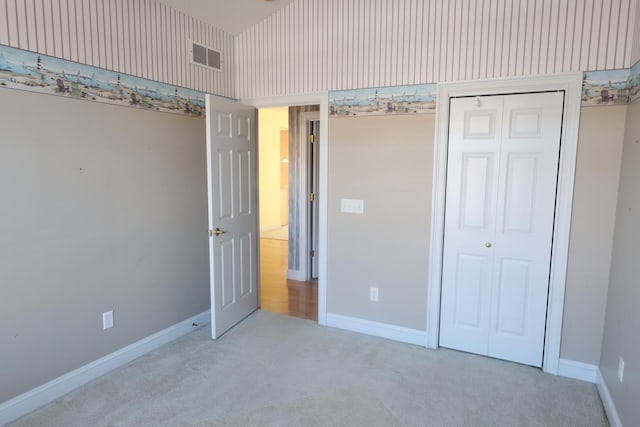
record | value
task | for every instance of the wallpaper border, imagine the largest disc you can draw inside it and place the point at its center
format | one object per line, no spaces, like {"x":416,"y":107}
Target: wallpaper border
{"x":30,"y":71}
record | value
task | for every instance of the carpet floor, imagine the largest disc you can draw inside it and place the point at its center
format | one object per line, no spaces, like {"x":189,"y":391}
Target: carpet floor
{"x":274,"y":370}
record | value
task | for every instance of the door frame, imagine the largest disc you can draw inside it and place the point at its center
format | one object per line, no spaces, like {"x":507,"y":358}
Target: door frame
{"x":322,"y":99}
{"x":571,"y":83}
{"x":303,"y":197}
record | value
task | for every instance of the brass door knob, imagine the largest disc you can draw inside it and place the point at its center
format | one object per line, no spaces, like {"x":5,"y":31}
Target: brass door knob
{"x":216,"y":232}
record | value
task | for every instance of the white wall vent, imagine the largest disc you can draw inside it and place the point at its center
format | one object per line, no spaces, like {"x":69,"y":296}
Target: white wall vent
{"x":206,"y":56}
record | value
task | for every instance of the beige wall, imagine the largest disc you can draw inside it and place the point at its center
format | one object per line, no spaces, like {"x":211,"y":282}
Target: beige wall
{"x":594,"y":208}
{"x":270,"y":122}
{"x":103,"y":208}
{"x":387,"y":161}
{"x":622,"y":324}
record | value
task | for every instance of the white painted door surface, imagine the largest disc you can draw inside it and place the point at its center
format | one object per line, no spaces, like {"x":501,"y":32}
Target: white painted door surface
{"x":500,"y":203}
{"x":233,"y":252}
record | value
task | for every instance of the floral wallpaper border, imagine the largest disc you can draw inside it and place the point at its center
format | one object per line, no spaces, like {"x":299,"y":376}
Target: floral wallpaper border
{"x":30,"y":71}
{"x":33,"y":72}
{"x":609,"y":87}
{"x":413,"y":99}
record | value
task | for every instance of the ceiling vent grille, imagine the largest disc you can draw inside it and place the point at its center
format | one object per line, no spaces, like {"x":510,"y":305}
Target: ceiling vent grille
{"x":205,"y":56}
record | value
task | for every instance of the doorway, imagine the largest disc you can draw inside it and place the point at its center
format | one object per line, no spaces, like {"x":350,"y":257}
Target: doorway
{"x":284,"y":170}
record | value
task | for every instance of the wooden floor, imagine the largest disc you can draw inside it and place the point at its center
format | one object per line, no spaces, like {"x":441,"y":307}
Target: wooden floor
{"x":279,"y":295}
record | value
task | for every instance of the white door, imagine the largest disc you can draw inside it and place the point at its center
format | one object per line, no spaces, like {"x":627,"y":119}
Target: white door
{"x":500,"y":203}
{"x":233,"y":220}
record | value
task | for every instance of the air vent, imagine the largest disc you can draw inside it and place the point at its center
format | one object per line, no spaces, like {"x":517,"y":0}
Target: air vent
{"x":205,"y":56}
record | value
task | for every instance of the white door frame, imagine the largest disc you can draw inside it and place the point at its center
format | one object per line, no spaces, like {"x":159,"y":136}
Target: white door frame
{"x":303,"y":198}
{"x":321,"y":98}
{"x":571,"y":83}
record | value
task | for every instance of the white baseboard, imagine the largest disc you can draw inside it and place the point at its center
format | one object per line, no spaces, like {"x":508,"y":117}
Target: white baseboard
{"x":607,"y":402}
{"x":578,"y":370}
{"x":296,"y":275}
{"x":384,"y":330}
{"x":33,"y":399}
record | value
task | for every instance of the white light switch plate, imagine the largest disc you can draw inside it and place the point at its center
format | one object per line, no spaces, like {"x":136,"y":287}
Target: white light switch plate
{"x":352,"y":206}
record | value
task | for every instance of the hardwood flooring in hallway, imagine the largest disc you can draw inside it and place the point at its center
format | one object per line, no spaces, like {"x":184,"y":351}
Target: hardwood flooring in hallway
{"x":277,"y":293}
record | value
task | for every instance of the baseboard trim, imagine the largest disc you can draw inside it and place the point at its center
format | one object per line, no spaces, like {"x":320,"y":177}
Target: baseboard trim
{"x":383,"y":330}
{"x":607,"y":401}
{"x":33,"y":399}
{"x":578,"y":370}
{"x":296,"y":275}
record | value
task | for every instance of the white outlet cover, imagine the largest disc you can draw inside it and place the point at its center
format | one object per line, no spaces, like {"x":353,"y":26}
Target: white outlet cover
{"x":373,"y":294}
{"x":621,"y":369}
{"x":107,"y":319}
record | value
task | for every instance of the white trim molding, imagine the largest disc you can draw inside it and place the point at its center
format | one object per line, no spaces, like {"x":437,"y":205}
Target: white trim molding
{"x":607,"y":401}
{"x":321,"y":98}
{"x":578,"y":370}
{"x":383,"y":330}
{"x":33,"y":399}
{"x":571,"y":84}
{"x":298,"y":275}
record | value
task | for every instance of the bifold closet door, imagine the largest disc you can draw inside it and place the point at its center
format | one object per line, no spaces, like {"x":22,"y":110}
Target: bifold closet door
{"x":500,"y":204}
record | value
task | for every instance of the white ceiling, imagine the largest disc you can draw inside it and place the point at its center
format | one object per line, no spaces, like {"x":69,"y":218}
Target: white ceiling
{"x":232,"y":16}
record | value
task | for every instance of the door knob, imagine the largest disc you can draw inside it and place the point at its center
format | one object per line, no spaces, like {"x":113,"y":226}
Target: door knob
{"x":216,"y":232}
{"x":487,"y":245}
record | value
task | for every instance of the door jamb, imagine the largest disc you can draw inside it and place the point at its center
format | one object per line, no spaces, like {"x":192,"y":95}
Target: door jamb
{"x":571,"y":83}
{"x":303,"y":200}
{"x":321,"y":98}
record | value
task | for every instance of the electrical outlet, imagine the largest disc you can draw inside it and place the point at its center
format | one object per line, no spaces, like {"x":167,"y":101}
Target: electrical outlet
{"x":621,"y":369}
{"x":373,"y":294}
{"x":107,"y":319}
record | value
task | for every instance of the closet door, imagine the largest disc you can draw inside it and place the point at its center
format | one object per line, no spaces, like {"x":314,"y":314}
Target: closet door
{"x":500,"y":203}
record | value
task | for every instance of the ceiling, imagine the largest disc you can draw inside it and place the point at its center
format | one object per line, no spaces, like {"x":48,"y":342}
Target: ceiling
{"x":232,"y":16}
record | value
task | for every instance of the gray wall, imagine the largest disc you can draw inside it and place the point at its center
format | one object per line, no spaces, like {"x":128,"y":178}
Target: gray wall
{"x":594,"y":209}
{"x":387,"y":161}
{"x":102,"y":208}
{"x":622,"y":324}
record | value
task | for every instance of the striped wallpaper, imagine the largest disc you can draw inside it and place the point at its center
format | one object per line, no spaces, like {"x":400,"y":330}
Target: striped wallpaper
{"x":139,"y":37}
{"x":319,"y":45}
{"x":635,"y":49}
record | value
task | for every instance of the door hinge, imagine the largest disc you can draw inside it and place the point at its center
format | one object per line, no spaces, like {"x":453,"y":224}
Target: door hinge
{"x":312,"y":139}
{"x":312,"y":253}
{"x":312,"y":197}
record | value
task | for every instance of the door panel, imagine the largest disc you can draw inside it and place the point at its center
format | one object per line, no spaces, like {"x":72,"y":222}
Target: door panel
{"x":246,"y":261}
{"x":231,"y":148}
{"x":519,"y":202}
{"x":244,"y":187}
{"x":469,"y":290}
{"x":227,"y":274}
{"x":513,"y":293}
{"x":476,"y":190}
{"x":225,"y":175}
{"x":500,"y":210}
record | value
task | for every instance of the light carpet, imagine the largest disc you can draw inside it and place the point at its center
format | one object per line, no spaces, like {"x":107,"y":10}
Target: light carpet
{"x":274,"y":370}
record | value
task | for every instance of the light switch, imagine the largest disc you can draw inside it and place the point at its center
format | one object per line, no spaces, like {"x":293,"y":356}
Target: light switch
{"x":352,"y":206}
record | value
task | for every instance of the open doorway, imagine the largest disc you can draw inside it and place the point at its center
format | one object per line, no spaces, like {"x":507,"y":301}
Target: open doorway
{"x":288,"y":214}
